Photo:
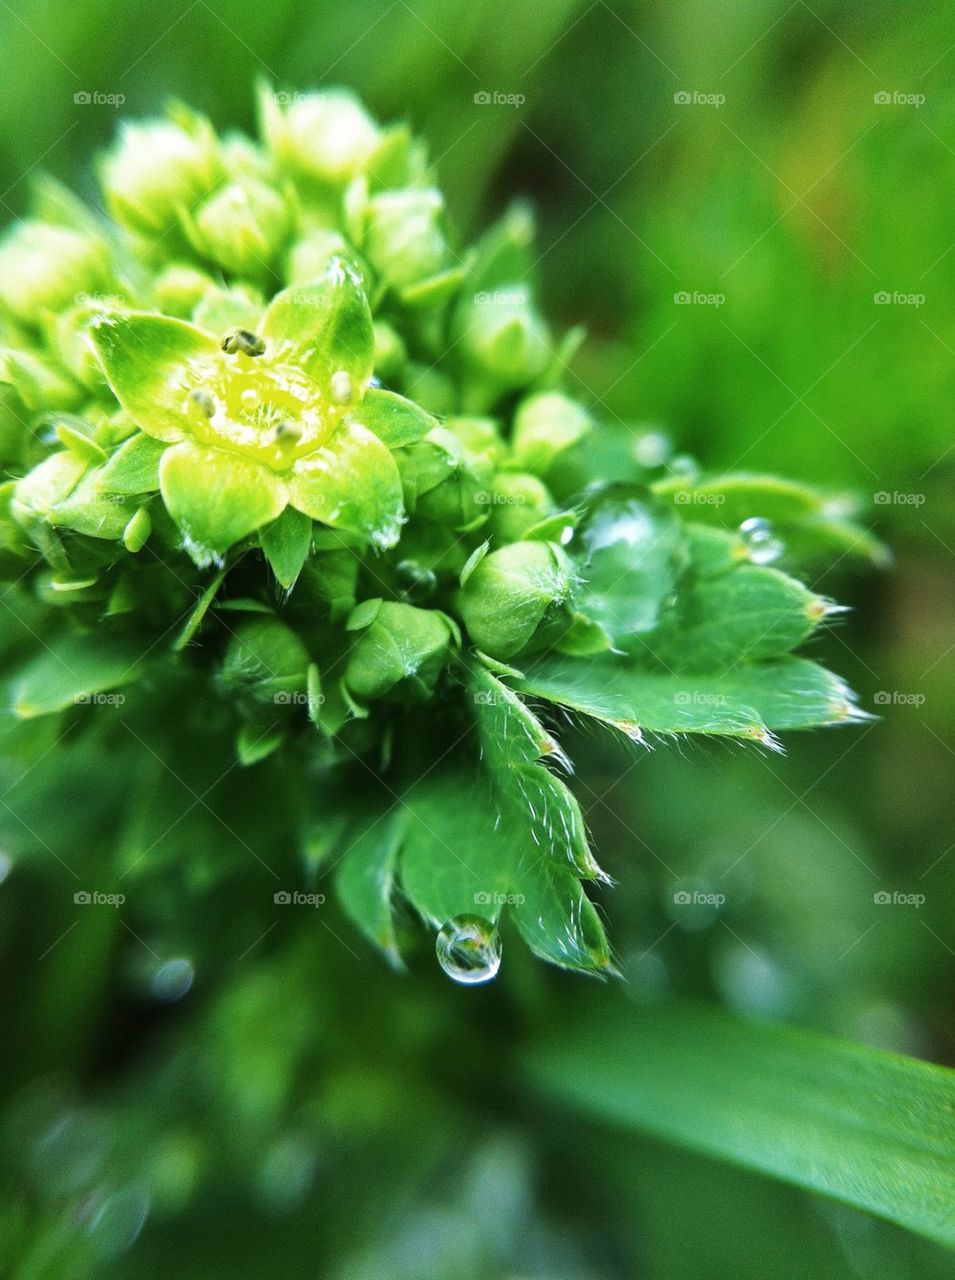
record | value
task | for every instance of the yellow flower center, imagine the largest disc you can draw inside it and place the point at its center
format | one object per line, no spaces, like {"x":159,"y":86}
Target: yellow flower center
{"x":273,"y":413}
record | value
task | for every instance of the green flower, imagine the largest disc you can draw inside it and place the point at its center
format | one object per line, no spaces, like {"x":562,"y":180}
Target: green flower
{"x":259,"y":422}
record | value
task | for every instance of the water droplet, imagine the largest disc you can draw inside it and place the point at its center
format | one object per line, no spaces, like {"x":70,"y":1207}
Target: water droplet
{"x":652,"y":449}
{"x":684,"y":466}
{"x":115,"y":1227}
{"x":172,"y":979}
{"x":762,"y":545}
{"x":469,"y":950}
{"x":250,"y":398}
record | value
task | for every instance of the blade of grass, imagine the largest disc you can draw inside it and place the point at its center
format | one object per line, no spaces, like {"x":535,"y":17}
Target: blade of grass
{"x":875,"y":1130}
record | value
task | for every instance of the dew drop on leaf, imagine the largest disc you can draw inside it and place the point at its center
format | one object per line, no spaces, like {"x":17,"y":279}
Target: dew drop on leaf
{"x":172,"y":979}
{"x":469,"y":950}
{"x":762,"y":545}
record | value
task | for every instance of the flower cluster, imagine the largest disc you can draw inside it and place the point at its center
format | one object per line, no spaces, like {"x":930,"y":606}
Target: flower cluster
{"x":269,"y":420}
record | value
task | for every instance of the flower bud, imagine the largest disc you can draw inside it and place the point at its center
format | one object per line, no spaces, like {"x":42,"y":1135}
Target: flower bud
{"x":325,"y":136}
{"x":545,"y":426}
{"x":158,"y":168}
{"x":390,"y":354}
{"x":441,"y":481}
{"x":516,"y":502}
{"x":266,"y":662}
{"x":180,"y":289}
{"x":404,"y":238}
{"x":401,"y":652}
{"x":518,"y":597}
{"x":241,"y":228}
{"x":309,"y":257}
{"x":47,"y":268}
{"x":505,"y":341}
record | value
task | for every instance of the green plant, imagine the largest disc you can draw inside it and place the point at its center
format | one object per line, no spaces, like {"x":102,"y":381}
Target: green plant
{"x":303,"y":525}
{"x":281,"y":450}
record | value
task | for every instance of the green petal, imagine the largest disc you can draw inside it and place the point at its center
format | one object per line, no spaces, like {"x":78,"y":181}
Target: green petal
{"x":216,"y":497}
{"x":351,"y":484}
{"x":394,"y":420}
{"x":325,"y":326}
{"x":139,"y":352}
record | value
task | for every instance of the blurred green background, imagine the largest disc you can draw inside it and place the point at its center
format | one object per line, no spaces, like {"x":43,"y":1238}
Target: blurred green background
{"x":749,"y":207}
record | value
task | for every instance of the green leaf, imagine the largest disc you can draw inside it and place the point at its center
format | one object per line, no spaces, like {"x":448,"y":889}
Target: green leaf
{"x":745,"y":702}
{"x":138,"y":352}
{"x":72,"y":670}
{"x":324,"y":326}
{"x":812,"y":523}
{"x":216,"y":497}
{"x":520,"y":843}
{"x":394,"y":420}
{"x":365,"y":880}
{"x":134,"y":467}
{"x":352,"y":484}
{"x":747,"y":614}
{"x":868,"y":1128}
{"x":626,"y":552}
{"x":286,"y":544}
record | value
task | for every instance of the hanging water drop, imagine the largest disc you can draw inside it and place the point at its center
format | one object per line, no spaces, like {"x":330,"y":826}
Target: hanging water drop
{"x":759,"y":537}
{"x":469,"y":950}
{"x":172,"y":979}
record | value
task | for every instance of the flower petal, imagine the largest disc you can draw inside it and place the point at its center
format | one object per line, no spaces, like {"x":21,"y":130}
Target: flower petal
{"x":216,"y":497}
{"x":352,"y":484}
{"x":324,"y":326}
{"x":139,"y":354}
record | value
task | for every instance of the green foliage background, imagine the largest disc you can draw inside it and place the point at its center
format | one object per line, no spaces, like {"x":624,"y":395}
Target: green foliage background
{"x":352,"y":1123}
